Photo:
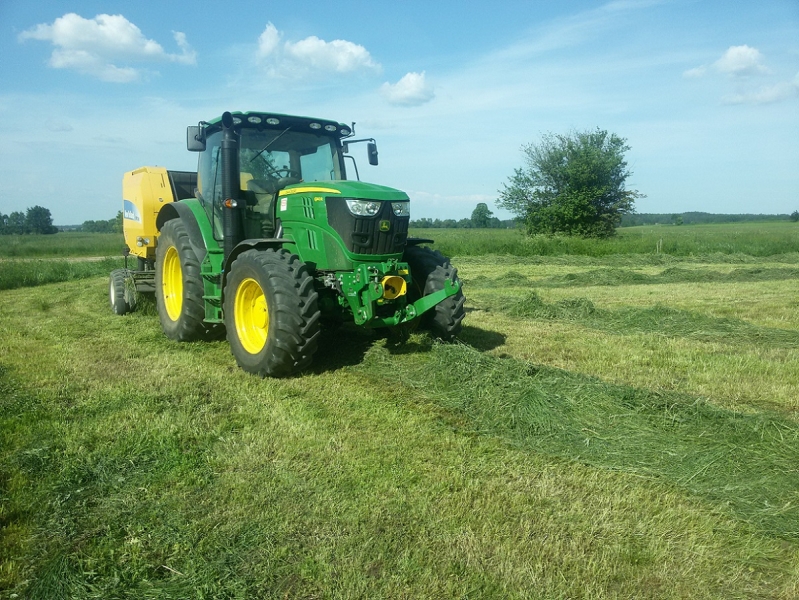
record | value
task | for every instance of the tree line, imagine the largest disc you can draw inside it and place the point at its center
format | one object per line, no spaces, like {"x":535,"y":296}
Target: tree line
{"x":36,"y":220}
{"x":699,"y":218}
{"x":482,"y":218}
{"x":110,"y":226}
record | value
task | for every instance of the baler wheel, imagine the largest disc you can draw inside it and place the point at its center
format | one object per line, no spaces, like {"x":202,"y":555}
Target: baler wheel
{"x":122,"y":295}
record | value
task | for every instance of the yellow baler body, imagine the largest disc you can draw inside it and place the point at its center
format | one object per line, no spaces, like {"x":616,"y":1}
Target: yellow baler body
{"x":144,"y":191}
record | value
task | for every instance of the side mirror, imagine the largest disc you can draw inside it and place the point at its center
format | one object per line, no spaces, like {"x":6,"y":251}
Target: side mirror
{"x":195,"y":138}
{"x":371,"y":150}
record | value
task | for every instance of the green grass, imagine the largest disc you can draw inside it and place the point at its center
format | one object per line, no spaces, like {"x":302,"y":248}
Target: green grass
{"x":27,"y":273}
{"x":62,"y":244}
{"x":748,"y":239}
{"x":609,"y":427}
{"x":30,"y":260}
{"x":666,"y":436}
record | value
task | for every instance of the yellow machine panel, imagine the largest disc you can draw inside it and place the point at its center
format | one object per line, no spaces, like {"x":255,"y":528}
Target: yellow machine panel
{"x":144,"y":191}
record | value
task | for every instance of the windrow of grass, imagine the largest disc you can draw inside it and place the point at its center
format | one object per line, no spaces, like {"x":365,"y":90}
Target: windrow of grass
{"x":745,"y":464}
{"x":659,"y":319}
{"x":613,"y":276}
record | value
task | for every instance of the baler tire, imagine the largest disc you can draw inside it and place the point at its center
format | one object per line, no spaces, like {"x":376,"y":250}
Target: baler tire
{"x":179,"y":293}
{"x":429,"y":271}
{"x":271,"y":313}
{"x":123,"y":300}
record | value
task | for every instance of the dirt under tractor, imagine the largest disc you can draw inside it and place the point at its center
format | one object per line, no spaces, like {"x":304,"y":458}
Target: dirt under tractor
{"x":270,"y":242}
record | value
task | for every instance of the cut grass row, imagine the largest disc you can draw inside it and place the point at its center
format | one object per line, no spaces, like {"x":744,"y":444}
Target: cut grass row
{"x":747,"y":463}
{"x":556,"y":454}
{"x":731,"y":341}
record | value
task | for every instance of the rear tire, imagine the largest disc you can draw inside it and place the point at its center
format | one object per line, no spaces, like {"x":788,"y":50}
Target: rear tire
{"x":178,"y":285}
{"x":121,"y":294}
{"x":271,"y":313}
{"x":429,"y":271}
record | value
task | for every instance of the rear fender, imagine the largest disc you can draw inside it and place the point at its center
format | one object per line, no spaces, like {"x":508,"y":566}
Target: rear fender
{"x":191,"y":212}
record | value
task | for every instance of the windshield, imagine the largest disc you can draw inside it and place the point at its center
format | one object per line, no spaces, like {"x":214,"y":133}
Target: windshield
{"x":288,"y":154}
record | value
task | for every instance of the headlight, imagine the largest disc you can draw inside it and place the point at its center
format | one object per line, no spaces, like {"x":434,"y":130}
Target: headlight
{"x":363,"y":208}
{"x":401,"y":209}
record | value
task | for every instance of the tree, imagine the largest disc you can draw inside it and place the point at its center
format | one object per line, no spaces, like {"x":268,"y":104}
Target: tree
{"x":110,"y":226}
{"x":572,"y":184}
{"x":795,"y":216}
{"x":16,"y":222}
{"x":39,"y":220}
{"x":481,"y":216}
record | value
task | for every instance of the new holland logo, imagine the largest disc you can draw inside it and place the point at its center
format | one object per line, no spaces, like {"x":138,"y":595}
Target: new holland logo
{"x":385,"y":225}
{"x":131,"y":212}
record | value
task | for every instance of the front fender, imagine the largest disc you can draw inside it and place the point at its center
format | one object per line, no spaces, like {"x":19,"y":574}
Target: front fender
{"x":251,"y":244}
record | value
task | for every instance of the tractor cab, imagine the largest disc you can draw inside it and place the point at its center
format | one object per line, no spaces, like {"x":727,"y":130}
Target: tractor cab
{"x":246,"y":159}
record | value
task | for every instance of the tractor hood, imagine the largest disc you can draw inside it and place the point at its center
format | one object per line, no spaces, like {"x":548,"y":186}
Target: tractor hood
{"x":345,"y":189}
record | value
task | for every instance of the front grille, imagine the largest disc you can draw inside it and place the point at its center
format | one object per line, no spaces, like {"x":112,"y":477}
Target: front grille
{"x":363,"y":235}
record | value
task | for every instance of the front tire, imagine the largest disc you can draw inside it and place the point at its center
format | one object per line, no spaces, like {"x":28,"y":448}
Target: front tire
{"x":178,"y":285}
{"x":271,"y":313}
{"x":429,"y":271}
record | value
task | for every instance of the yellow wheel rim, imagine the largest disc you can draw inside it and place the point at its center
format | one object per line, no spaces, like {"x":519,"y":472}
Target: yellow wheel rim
{"x":172,"y":283}
{"x":251,"y":316}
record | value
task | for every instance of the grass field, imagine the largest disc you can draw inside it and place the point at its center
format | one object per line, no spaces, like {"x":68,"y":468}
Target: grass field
{"x":61,"y":245}
{"x":755,"y":239}
{"x":611,"y":425}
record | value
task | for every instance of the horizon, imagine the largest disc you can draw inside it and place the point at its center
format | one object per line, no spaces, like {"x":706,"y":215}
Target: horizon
{"x":706,"y":96}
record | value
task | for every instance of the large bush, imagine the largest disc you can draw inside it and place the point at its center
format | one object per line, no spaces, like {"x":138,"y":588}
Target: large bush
{"x":572,"y":184}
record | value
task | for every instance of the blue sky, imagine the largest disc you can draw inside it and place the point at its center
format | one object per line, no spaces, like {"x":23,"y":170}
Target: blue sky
{"x":705,"y":92}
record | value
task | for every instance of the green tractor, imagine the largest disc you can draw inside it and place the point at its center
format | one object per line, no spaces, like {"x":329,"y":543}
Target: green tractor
{"x":270,"y":242}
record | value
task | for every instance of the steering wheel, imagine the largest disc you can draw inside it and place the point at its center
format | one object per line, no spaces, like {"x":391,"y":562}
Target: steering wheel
{"x":285,"y":172}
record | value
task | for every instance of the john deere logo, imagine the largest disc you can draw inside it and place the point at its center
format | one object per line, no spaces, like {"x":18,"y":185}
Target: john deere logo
{"x":385,"y":225}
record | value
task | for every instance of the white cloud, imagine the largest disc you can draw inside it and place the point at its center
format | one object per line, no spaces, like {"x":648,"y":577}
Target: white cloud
{"x":695,"y":73}
{"x":340,"y":56}
{"x":737,"y":61}
{"x":741,"y":61}
{"x":767,"y":94}
{"x":187,"y":56}
{"x":312,"y":54}
{"x":96,"y":46}
{"x":412,"y":90}
{"x":268,"y":41}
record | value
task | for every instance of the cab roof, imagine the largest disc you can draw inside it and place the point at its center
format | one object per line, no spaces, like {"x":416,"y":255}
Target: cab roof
{"x":268,"y":120}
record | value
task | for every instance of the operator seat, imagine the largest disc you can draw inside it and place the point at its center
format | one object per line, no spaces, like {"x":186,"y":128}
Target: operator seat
{"x":262,"y":194}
